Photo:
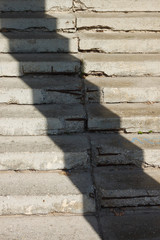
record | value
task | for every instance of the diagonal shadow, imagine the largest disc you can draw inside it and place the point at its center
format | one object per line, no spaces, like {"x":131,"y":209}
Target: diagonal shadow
{"x":134,"y":160}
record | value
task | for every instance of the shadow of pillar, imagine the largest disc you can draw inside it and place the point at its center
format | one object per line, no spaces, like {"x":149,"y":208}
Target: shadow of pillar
{"x":134,"y":162}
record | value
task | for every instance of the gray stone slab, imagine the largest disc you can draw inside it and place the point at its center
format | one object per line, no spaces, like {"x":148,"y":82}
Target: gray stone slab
{"x":122,"y":89}
{"x":41,"y":89}
{"x":44,"y":153}
{"x":116,"y":42}
{"x":118,"y":5}
{"x":49,"y":228}
{"x":127,"y":186}
{"x":119,"y":21}
{"x":46,"y":192}
{"x":32,"y":42}
{"x":140,"y":225}
{"x":127,"y":116}
{"x":20,"y":64}
{"x":131,"y":149}
{"x":121,"y":64}
{"x":34,"y":5}
{"x":41,"y":119}
{"x":37,"y":21}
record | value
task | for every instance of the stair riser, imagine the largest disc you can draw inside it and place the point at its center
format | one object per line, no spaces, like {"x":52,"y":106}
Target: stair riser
{"x":36,"y":96}
{"x":121,"y":46}
{"x":16,"y":68}
{"x":121,"y":5}
{"x":54,"y":23}
{"x":119,"y":21}
{"x":39,"y":45}
{"x":118,"y":95}
{"x":43,"y":126}
{"x":35,"y":5}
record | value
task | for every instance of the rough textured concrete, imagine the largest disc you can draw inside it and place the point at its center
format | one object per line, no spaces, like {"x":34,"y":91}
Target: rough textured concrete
{"x":118,"y":5}
{"x":130,"y":117}
{"x":126,"y":149}
{"x":41,"y":89}
{"x":43,"y":193}
{"x":35,"y":5}
{"x":41,"y":120}
{"x":25,"y":42}
{"x":122,"y":89}
{"x":20,"y":64}
{"x":143,"y":224}
{"x":127,"y":186}
{"x":32,"y":21}
{"x":43,"y":153}
{"x":120,"y":42}
{"x":49,"y":228}
{"x":122,"y":64}
{"x":119,"y":21}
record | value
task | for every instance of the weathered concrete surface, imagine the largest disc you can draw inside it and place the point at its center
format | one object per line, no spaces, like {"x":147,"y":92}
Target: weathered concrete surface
{"x":43,"y":153}
{"x":117,"y":5}
{"x":35,"y":5}
{"x":120,"y":42}
{"x":143,"y":224}
{"x":126,"y":149}
{"x":122,"y":89}
{"x":127,"y":186}
{"x":25,"y":42}
{"x":42,"y":119}
{"x":45,"y":192}
{"x":130,"y":117}
{"x":20,"y":64}
{"x":119,"y":21}
{"x":49,"y":228}
{"x":121,"y":64}
{"x":32,"y":21}
{"x":41,"y":89}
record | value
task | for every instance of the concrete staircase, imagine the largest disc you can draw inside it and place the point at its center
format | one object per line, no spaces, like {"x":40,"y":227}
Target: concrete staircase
{"x":79,"y":120}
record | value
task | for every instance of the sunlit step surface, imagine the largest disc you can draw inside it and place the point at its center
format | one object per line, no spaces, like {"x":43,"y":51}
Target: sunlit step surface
{"x":115,"y":42}
{"x":138,"y":117}
{"x":122,"y":89}
{"x":45,"y":192}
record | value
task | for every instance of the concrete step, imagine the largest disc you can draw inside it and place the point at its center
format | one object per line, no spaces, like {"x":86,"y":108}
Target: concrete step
{"x":43,"y":152}
{"x":131,"y":225}
{"x":118,"y":5}
{"x":119,"y":21}
{"x":127,"y":116}
{"x":122,"y":89}
{"x":121,"y":64}
{"x":33,"y":21}
{"x":32,"y":42}
{"x":41,"y":119}
{"x":126,"y":149}
{"x":20,"y":64}
{"x":45,"y":192}
{"x":35,"y":5}
{"x":41,"y":89}
{"x":122,"y":187}
{"x":49,"y":228}
{"x":114,"y":42}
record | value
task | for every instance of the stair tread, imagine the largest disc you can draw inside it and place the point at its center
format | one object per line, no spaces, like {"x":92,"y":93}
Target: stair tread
{"x":49,"y":227}
{"x":137,"y":224}
{"x":131,"y":117}
{"x":44,"y":152}
{"x":45,"y":192}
